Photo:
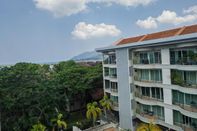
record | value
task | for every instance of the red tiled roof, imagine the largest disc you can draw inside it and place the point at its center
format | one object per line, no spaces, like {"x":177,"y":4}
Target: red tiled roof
{"x":128,"y":40}
{"x":163,"y":34}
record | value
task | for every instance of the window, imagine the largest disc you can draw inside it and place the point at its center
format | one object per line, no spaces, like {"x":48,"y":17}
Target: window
{"x":156,"y":75}
{"x":107,"y":84}
{"x":113,"y":72}
{"x":153,"y":110}
{"x":114,"y":86}
{"x":145,"y":74}
{"x":157,"y":93}
{"x":150,"y":57}
{"x":143,"y":58}
{"x":106,"y":71}
{"x":145,"y":91}
{"x":183,"y":98}
{"x":190,"y":77}
{"x":184,"y":56}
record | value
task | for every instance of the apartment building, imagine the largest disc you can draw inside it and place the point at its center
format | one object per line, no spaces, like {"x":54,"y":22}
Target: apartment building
{"x":153,"y":78}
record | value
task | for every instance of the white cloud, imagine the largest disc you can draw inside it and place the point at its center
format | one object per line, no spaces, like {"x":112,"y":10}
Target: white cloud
{"x":192,"y":9}
{"x":125,"y":2}
{"x":70,"y":7}
{"x":149,"y":23}
{"x":87,"y":31}
{"x":169,"y":17}
{"x":61,"y":7}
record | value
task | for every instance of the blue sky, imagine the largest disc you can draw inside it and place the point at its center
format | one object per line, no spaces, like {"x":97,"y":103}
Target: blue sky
{"x":56,"y":30}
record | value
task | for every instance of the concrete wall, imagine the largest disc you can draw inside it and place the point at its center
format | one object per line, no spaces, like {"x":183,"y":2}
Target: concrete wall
{"x":167,"y":92}
{"x":125,"y":116}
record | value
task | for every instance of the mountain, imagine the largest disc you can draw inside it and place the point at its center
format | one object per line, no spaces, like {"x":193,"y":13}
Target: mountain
{"x":88,"y":56}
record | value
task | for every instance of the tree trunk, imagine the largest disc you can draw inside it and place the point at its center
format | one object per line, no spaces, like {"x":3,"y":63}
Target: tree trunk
{"x":105,"y":112}
{"x":93,"y":123}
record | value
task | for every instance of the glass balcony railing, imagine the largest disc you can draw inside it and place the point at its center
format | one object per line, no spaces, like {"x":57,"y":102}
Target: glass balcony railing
{"x":184,"y":78}
{"x":183,"y":61}
{"x":185,"y":122}
{"x":146,"y":97}
{"x":147,"y":57}
{"x":158,"y":114}
{"x":147,"y":75}
{"x":184,"y":100}
{"x":183,"y":56}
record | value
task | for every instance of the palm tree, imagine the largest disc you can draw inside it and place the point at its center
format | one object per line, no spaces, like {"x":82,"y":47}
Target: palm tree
{"x":106,"y":104}
{"x":93,"y":112}
{"x":148,"y":127}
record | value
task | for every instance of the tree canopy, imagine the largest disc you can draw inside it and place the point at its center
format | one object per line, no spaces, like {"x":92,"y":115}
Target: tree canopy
{"x":30,"y":92}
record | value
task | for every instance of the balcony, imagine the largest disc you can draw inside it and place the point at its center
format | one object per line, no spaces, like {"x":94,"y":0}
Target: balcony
{"x":184,"y":100}
{"x":183,"y":56}
{"x":191,"y":108}
{"x":148,"y":75}
{"x":151,"y":112}
{"x":185,"y":127}
{"x":109,"y":59}
{"x":185,"y":122}
{"x":184,"y":78}
{"x":114,"y":90}
{"x":147,"y":97}
{"x":110,"y":72}
{"x":149,"y":115}
{"x":151,"y":57}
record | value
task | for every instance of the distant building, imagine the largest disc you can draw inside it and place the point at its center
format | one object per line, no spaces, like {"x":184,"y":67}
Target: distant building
{"x":153,"y":77}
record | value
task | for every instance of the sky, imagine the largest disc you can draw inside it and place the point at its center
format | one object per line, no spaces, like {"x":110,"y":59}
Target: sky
{"x":56,"y":30}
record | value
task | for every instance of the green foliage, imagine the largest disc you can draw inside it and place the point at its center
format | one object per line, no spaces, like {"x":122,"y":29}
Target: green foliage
{"x":58,"y":122}
{"x":148,"y":127}
{"x":176,"y":78}
{"x":31,"y":92}
{"x":38,"y":127}
{"x":106,"y":104}
{"x":93,"y":111}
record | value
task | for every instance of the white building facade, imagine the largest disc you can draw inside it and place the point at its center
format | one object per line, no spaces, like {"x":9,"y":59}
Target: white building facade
{"x":154,"y":80}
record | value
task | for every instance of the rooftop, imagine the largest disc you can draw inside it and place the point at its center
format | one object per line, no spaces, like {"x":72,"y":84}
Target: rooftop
{"x":158,"y":35}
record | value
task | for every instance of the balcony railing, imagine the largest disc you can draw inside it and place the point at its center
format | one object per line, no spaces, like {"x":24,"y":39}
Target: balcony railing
{"x":149,"y":115}
{"x":114,"y":90}
{"x":193,"y":127}
{"x":183,"y":61}
{"x":137,"y":78}
{"x":183,"y":83}
{"x":145,"y":61}
{"x":192,"y":108}
{"x":137,"y":94}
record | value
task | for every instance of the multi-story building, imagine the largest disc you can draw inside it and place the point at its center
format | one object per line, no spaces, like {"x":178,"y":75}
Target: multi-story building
{"x":153,"y":78}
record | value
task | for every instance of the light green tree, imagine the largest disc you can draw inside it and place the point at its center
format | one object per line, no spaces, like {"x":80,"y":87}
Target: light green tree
{"x":93,"y":112}
{"x":38,"y":127}
{"x":58,"y":123}
{"x":106,"y":104}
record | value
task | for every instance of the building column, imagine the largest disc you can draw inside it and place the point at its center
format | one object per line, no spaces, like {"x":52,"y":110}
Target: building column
{"x":166,"y":78}
{"x":125,"y":114}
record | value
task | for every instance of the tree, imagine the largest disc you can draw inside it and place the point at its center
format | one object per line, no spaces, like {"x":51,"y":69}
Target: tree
{"x":93,"y":112}
{"x":38,"y":127}
{"x":30,"y":92}
{"x":106,"y":104}
{"x":148,"y":127}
